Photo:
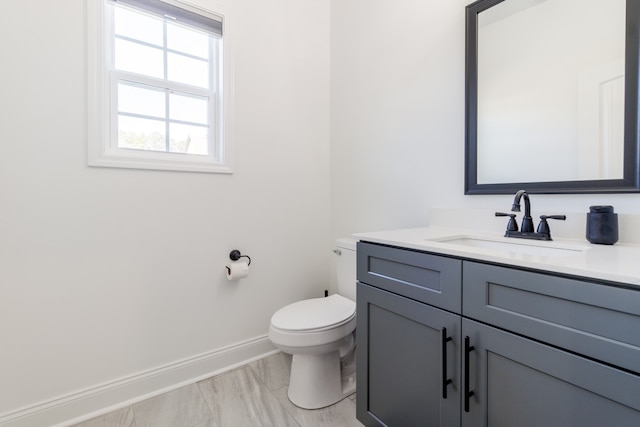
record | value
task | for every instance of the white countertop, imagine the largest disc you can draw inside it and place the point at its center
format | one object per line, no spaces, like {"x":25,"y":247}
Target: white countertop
{"x":615,"y":263}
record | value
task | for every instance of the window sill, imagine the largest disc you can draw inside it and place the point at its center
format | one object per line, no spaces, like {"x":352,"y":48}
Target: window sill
{"x":158,"y":161}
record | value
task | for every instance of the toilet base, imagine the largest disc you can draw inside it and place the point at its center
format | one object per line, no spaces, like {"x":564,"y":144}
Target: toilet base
{"x":316,"y":380}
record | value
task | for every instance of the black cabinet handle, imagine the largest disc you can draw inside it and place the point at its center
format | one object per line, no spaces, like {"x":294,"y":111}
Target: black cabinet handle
{"x":445,"y":381}
{"x":467,"y":393}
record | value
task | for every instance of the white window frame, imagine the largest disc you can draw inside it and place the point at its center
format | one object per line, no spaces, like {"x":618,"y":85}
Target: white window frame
{"x":102,"y":89}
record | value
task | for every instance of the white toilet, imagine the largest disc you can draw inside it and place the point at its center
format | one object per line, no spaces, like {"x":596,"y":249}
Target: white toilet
{"x":319,"y":333}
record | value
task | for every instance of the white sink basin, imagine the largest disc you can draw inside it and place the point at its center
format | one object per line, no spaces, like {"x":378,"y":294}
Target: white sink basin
{"x":514,"y":246}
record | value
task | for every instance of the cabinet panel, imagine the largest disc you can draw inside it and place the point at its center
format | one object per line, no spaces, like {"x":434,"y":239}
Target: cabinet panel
{"x":593,"y":319}
{"x":520,"y":382}
{"x":428,"y":278}
{"x":400,"y":362}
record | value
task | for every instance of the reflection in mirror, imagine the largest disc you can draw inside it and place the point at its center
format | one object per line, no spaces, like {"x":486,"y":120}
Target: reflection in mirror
{"x":551,"y":90}
{"x":552,"y":96}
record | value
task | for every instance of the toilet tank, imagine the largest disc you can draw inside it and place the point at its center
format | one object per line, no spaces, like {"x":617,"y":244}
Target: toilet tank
{"x":346,"y":267}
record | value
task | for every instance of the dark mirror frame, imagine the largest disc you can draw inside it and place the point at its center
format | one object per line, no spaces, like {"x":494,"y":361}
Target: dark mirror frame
{"x":630,"y":183}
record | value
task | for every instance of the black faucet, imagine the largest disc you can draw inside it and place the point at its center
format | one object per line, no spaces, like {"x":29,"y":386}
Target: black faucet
{"x":527,"y":221}
{"x":526,"y":232}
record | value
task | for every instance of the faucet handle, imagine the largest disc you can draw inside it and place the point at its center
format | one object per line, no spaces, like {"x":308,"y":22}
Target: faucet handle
{"x":543,"y":227}
{"x":560,"y":217}
{"x":512,"y":225}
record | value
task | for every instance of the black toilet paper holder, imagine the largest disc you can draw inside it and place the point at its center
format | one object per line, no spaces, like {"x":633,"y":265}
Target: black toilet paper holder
{"x":235,"y":255}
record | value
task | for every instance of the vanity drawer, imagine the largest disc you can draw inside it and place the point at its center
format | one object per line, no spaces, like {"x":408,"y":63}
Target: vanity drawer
{"x":598,"y":320}
{"x":431,"y":279}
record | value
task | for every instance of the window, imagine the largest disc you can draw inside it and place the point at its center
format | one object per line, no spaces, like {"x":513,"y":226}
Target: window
{"x":158,"y":87}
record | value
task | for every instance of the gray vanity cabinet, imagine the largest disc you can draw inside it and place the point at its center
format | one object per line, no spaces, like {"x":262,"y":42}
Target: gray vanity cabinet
{"x":521,"y":348}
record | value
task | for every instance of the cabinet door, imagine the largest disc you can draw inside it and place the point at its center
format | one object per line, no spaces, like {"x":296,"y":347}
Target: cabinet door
{"x":519,"y":382}
{"x":403,"y":361}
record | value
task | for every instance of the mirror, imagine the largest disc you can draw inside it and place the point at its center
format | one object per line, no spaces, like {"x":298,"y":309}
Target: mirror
{"x":552,"y":96}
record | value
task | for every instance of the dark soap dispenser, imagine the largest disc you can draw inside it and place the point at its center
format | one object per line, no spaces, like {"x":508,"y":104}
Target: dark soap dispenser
{"x":602,"y":225}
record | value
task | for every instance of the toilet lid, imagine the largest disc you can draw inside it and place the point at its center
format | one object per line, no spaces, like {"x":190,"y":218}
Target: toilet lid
{"x":314,"y":313}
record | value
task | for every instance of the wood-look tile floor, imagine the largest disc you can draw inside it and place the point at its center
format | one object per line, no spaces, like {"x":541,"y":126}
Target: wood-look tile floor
{"x":254,"y":395}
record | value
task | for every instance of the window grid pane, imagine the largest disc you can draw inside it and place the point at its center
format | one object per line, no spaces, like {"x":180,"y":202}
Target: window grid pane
{"x":138,"y":26}
{"x":139,"y":99}
{"x":138,"y":58}
{"x":181,"y":39}
{"x":141,"y":134}
{"x":189,"y":108}
{"x":183,"y":69}
{"x":188,"y":139}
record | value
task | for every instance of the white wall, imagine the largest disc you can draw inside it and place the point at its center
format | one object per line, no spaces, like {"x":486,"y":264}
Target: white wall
{"x":107,"y":273}
{"x":397,"y":120}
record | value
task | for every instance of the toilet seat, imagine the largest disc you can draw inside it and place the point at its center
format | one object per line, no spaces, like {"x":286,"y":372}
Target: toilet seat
{"x":313,"y":324}
{"x":314,"y":315}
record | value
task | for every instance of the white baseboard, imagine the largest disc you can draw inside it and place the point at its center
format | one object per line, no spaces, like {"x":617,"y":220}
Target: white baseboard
{"x":94,"y":401}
